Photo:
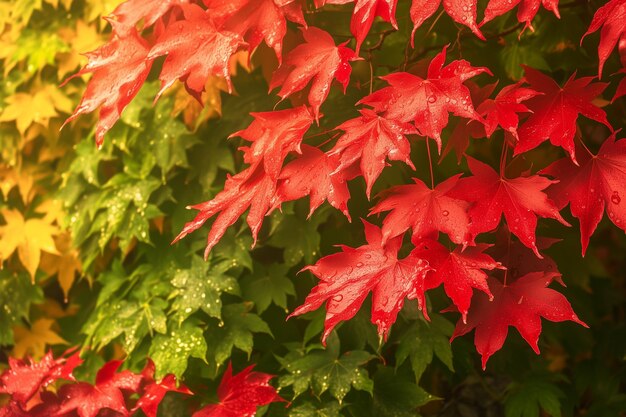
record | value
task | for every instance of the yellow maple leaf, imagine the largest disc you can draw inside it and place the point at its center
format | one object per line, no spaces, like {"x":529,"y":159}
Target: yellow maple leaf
{"x":193,"y":112}
{"x":29,"y":237}
{"x":83,"y":39}
{"x":65,"y":265}
{"x":33,"y":341}
{"x":11,"y":177}
{"x":38,"y":106}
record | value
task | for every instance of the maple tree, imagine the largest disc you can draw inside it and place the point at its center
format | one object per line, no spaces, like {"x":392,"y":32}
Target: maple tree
{"x":300,"y":134}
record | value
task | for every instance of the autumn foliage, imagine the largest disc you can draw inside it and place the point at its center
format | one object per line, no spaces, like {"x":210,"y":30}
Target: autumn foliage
{"x":467,"y":152}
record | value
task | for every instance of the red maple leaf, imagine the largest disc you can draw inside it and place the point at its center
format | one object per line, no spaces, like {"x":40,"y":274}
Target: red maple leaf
{"x":427,"y":102}
{"x":87,"y":400}
{"x":257,"y":20}
{"x":520,"y":199}
{"x":251,"y":188}
{"x":130,"y":12}
{"x":459,"y":271}
{"x":347,"y":277}
{"x":317,"y":175}
{"x":525,"y":13}
{"x":372,"y":139}
{"x":426,"y":211}
{"x":461,"y":11}
{"x":598,"y":184}
{"x":241,"y":394}
{"x":153,"y":392}
{"x":612,"y":19}
{"x":502,"y":110}
{"x":318,"y":60}
{"x":273,"y":135}
{"x":364,"y":14}
{"x":119,"y":69}
{"x":520,"y":304}
{"x":195,"y":49}
{"x":24,"y":380}
{"x":555,"y":111}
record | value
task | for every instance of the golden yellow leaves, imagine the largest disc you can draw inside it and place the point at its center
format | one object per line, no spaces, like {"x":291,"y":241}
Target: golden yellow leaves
{"x":83,"y":39}
{"x":37,"y":106}
{"x":33,"y":341}
{"x":64,"y":264}
{"x":29,"y":237}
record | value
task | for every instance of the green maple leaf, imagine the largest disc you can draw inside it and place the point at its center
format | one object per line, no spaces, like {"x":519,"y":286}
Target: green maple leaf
{"x":200,"y":287}
{"x":235,"y":331}
{"x":326,"y":370}
{"x":298,"y":236}
{"x":330,"y":409}
{"x":17,"y":294}
{"x":395,"y":396}
{"x":423,"y":340}
{"x":171,"y":352}
{"x":532,"y":395}
{"x":130,"y":307}
{"x":235,"y":248}
{"x":267,"y":285}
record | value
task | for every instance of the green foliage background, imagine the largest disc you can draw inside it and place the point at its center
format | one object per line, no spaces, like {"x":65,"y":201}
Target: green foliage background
{"x":136,"y":296}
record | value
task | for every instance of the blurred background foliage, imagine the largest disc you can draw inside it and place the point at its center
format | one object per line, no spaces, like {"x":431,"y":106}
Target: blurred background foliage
{"x":85,"y":234}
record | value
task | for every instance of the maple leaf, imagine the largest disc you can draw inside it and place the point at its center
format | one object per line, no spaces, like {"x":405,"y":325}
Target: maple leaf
{"x":317,"y":175}
{"x":520,"y":199}
{"x":426,"y":211}
{"x":427,"y":102}
{"x":348,"y":276}
{"x":525,"y":13}
{"x":119,"y":69}
{"x":241,"y":394}
{"x":183,"y":41}
{"x":66,"y":264}
{"x":461,"y":11}
{"x":459,"y":271}
{"x":250,"y":188}
{"x":33,"y":341}
{"x":365,"y":11}
{"x":520,"y":304}
{"x":153,"y":392}
{"x":38,"y":106}
{"x":257,"y":20}
{"x":318,"y":61}
{"x":274,"y":134}
{"x":130,"y":12}
{"x":598,"y":184}
{"x":24,"y":380}
{"x":502,"y":110}
{"x":29,"y":236}
{"x":88,"y":400}
{"x":85,"y":37}
{"x":372,"y":139}
{"x":555,"y":111}
{"x":612,"y":19}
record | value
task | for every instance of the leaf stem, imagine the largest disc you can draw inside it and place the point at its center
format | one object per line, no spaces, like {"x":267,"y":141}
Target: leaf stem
{"x":430,"y":165}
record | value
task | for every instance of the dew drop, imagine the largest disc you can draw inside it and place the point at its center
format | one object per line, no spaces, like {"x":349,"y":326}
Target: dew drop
{"x":338,"y":298}
{"x":615,"y":198}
